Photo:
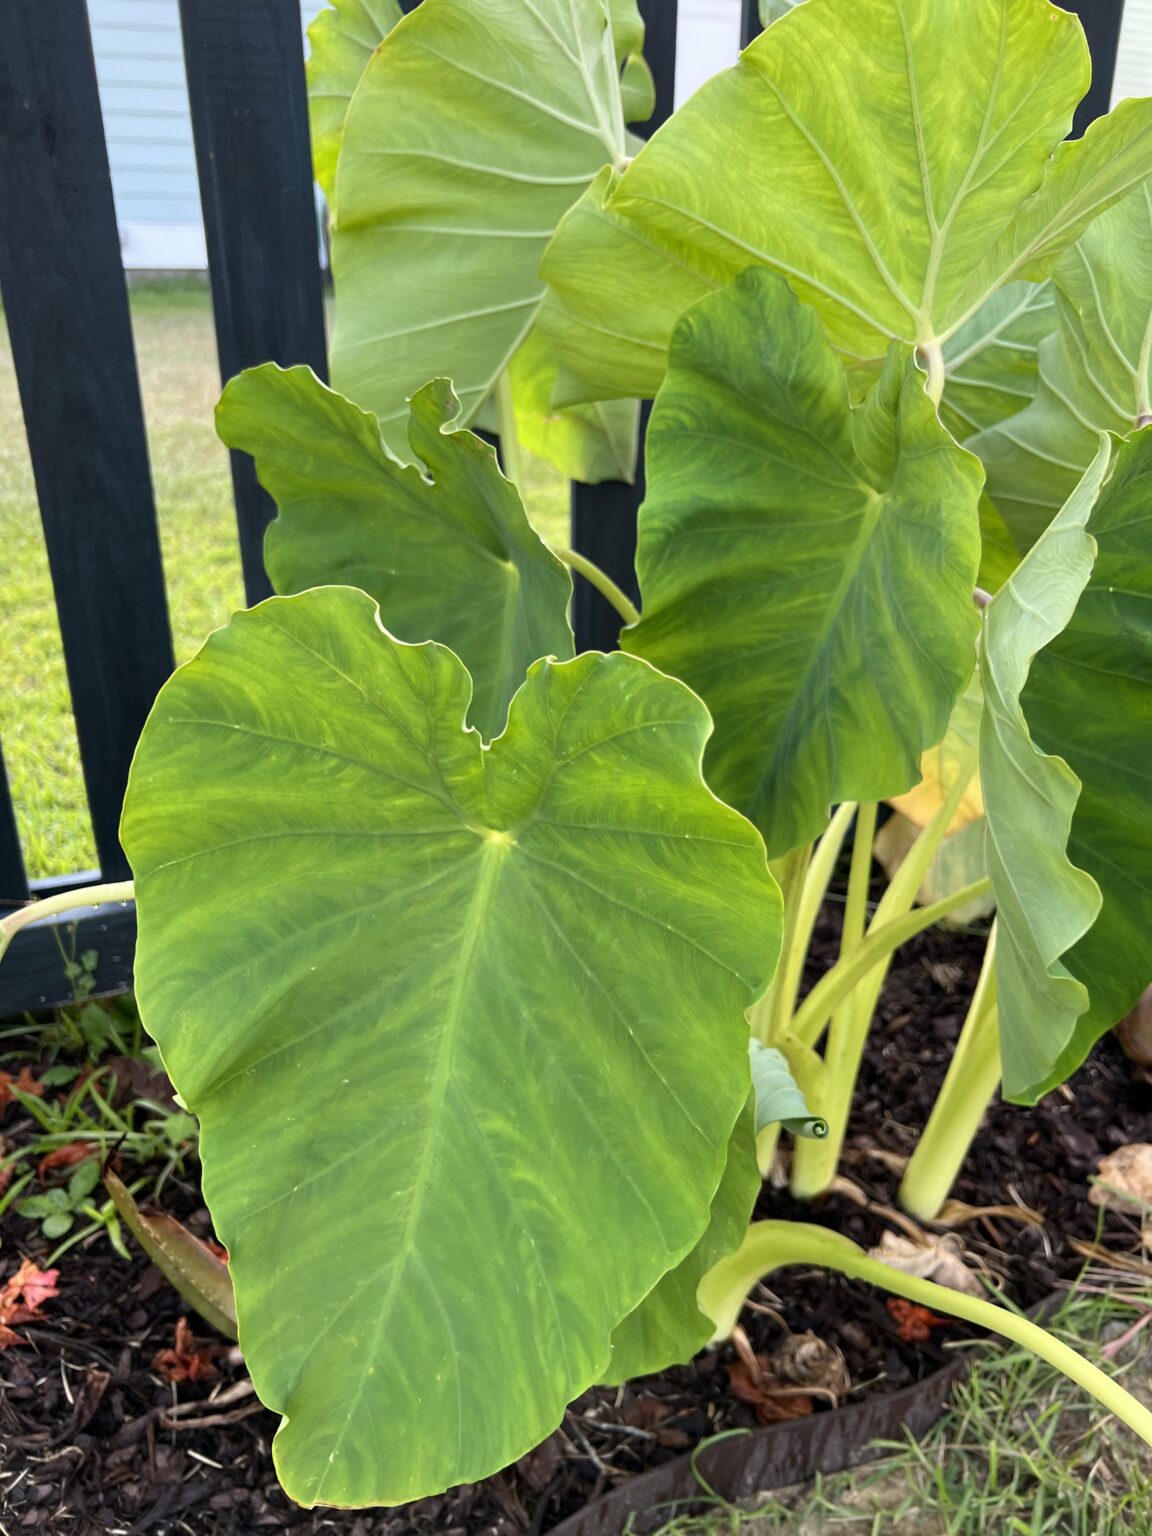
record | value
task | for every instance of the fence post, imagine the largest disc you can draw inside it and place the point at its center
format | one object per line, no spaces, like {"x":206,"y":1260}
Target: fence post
{"x":604,"y":516}
{"x":13,"y":880}
{"x":1101,"y":20}
{"x":67,"y":307}
{"x":245,"y":68}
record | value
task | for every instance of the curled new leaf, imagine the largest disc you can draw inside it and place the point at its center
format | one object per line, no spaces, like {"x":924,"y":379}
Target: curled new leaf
{"x":778,"y":1100}
{"x":450,"y":974}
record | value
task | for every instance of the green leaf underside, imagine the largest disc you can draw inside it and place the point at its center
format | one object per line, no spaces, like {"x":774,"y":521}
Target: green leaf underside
{"x":448,"y":976}
{"x":1094,"y":371}
{"x":668,"y":1327}
{"x":1089,"y":698}
{"x":341,"y":39}
{"x":896,"y":160}
{"x":772,"y":10}
{"x":778,"y":1100}
{"x":589,"y":443}
{"x":805,"y":567}
{"x":637,"y":87}
{"x":475,"y":127}
{"x":1045,"y":902}
{"x":991,"y":362}
{"x":452,"y":558}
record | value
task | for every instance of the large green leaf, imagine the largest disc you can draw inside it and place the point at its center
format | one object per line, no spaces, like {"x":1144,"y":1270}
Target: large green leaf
{"x":992,"y":370}
{"x":896,"y":160}
{"x":447,"y":553}
{"x":668,"y":1327}
{"x":475,"y":127}
{"x":806,"y":567}
{"x":1094,"y":372}
{"x":342,"y":39}
{"x":1089,"y":698}
{"x":1046,"y":903}
{"x":418,"y":992}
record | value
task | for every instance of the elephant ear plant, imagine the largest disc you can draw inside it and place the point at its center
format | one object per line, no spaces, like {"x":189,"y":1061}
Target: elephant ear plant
{"x":470,"y":954}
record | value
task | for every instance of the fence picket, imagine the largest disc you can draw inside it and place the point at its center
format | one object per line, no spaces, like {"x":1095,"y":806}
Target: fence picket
{"x":13,"y":881}
{"x":245,"y":68}
{"x":71,"y":336}
{"x":604,"y":516}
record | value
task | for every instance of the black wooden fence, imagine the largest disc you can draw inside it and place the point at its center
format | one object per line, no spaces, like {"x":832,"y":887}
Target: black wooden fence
{"x":64,"y":293}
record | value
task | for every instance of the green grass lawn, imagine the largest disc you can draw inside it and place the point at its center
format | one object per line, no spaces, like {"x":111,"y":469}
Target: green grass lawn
{"x":176,"y":350}
{"x":1021,"y":1453}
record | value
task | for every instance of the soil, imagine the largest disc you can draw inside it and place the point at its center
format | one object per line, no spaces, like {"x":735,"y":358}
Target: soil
{"x":90,"y":1445}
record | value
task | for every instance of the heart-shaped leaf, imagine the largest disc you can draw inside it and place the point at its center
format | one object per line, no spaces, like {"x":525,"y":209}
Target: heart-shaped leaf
{"x":1045,"y":902}
{"x":415,"y":989}
{"x":450,"y":558}
{"x":897,"y":160}
{"x":805,"y":566}
{"x":476,"y":125}
{"x":1094,"y":371}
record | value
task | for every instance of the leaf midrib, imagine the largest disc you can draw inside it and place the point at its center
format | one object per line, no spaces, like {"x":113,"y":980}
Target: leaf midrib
{"x":492,"y":859}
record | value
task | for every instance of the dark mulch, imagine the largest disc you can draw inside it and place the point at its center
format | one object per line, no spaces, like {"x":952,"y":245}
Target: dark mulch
{"x":87,"y":1447}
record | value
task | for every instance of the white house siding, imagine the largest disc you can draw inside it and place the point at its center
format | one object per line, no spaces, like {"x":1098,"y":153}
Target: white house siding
{"x":707,"y":40}
{"x":139,"y":64}
{"x":1134,"y":61}
{"x":144,"y":98}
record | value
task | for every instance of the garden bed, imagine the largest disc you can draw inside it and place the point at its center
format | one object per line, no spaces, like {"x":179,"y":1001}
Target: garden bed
{"x":93,"y":1446}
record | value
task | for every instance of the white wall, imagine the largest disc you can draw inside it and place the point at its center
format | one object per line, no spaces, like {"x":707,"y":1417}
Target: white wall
{"x":1134,"y":61}
{"x":707,"y":40}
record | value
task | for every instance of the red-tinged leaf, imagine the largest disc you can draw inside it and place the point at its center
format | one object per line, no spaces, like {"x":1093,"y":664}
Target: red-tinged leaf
{"x":8,"y":1337}
{"x":24,"y":1293}
{"x":66,"y":1156}
{"x":774,"y":1403}
{"x":25,"y":1083}
{"x":188,"y":1360}
{"x":914,"y":1323}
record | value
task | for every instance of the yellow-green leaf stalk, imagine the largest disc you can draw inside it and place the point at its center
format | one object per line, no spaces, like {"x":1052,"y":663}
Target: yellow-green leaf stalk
{"x":973,"y":1077}
{"x":772,"y":1245}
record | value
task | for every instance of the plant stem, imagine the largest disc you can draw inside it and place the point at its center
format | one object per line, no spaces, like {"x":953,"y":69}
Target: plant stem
{"x":972,"y":1079}
{"x":814,"y":1161}
{"x":879,"y":945}
{"x":902,"y":890}
{"x":599,"y":579}
{"x":771,"y":1245}
{"x":510,"y":461}
{"x":779,"y":1002}
{"x":932,"y":356}
{"x":790,"y":873}
{"x":122,"y":891}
